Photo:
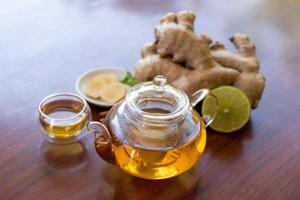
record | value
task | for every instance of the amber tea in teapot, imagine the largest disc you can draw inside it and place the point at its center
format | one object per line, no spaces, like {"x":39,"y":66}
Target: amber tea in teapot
{"x":166,"y":159}
{"x":154,"y":133}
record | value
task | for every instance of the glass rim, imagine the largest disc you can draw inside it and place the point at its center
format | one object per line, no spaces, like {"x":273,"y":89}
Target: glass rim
{"x":62,"y":94}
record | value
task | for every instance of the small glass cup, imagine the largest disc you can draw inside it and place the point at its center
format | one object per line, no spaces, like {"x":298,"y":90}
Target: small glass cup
{"x":63,"y":117}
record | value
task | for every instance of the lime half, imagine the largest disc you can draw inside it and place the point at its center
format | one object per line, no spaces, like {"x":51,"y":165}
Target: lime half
{"x":234,"y":109}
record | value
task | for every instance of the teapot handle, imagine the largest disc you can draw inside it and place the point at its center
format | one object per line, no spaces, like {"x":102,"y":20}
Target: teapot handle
{"x":102,"y":141}
{"x":200,"y":95}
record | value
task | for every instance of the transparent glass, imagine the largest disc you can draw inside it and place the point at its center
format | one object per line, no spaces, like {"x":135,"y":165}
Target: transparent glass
{"x":155,"y":133}
{"x":62,"y":117}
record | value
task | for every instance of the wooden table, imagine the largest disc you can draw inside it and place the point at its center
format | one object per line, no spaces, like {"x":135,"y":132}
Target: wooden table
{"x":46,"y":45}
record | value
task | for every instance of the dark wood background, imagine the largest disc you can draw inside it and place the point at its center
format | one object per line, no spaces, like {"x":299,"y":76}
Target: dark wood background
{"x":46,"y":45}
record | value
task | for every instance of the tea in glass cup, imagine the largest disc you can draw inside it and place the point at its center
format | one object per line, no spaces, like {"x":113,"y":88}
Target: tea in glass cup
{"x":63,"y":117}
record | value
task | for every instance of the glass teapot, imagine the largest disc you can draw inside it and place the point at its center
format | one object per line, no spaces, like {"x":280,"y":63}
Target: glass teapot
{"x":155,"y":132}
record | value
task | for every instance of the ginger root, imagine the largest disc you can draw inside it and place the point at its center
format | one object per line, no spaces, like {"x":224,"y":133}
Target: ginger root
{"x":191,"y":62}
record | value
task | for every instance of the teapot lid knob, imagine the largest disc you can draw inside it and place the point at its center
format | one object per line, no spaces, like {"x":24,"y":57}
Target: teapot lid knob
{"x":159,"y":81}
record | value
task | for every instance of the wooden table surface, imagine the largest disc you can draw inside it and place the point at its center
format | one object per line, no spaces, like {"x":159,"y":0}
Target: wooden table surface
{"x":46,"y":45}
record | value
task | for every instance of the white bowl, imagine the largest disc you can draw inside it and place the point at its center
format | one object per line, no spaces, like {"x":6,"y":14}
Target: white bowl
{"x":82,"y":80}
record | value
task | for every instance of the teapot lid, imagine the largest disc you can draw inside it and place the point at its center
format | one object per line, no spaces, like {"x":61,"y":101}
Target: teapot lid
{"x":138,"y":96}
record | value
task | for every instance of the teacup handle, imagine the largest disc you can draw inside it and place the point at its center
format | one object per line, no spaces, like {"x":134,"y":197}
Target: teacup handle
{"x":102,"y":141}
{"x":201,"y":95}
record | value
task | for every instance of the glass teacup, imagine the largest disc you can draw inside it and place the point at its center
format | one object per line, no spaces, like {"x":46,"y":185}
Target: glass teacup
{"x":63,"y":117}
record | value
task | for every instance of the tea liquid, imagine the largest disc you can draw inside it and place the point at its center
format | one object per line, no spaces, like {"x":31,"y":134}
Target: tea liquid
{"x":61,"y":123}
{"x":162,"y":162}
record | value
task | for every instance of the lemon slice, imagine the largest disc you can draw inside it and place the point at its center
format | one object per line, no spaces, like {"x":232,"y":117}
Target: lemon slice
{"x":93,"y":87}
{"x":113,"y":92}
{"x":234,"y":109}
{"x":109,"y":78}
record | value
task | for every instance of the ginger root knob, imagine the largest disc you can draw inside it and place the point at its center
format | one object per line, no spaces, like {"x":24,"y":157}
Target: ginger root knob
{"x":192,"y":62}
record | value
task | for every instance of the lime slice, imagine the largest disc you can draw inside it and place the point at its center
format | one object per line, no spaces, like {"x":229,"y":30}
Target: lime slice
{"x":234,"y":109}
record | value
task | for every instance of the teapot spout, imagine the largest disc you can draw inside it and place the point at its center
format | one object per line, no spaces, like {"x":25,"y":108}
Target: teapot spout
{"x":102,"y":141}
